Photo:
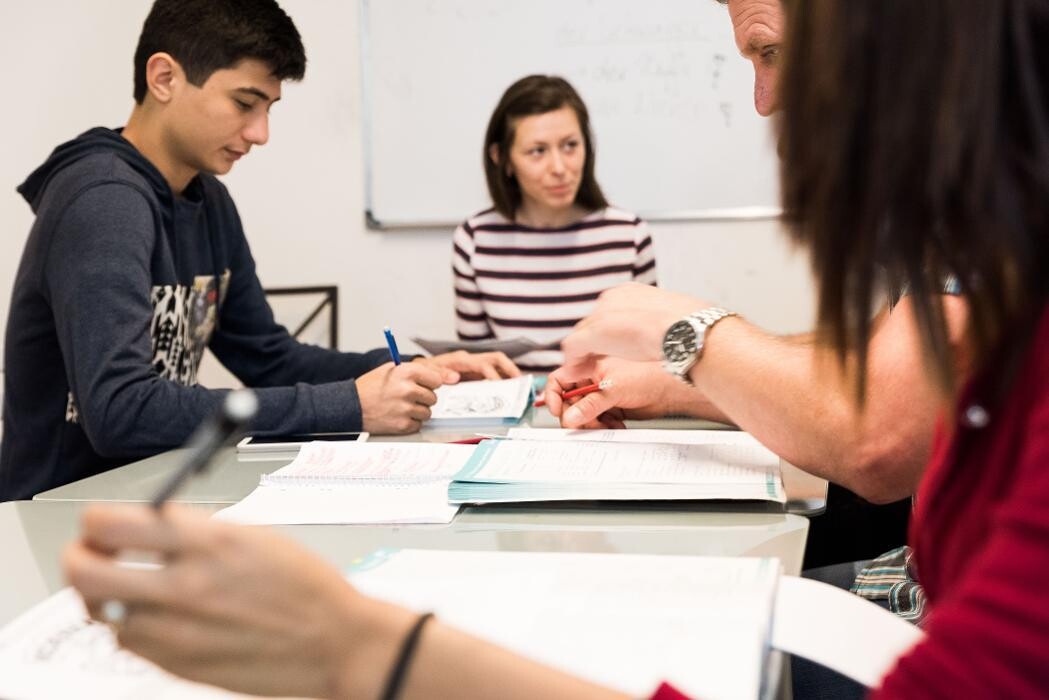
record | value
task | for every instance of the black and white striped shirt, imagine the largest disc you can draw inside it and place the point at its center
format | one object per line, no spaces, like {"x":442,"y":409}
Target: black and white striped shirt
{"x":515,"y":281}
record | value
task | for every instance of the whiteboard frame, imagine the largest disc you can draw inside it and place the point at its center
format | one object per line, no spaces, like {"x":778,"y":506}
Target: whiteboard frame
{"x":711,"y":215}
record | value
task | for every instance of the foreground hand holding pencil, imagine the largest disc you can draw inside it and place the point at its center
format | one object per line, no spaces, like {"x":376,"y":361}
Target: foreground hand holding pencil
{"x":247,"y":609}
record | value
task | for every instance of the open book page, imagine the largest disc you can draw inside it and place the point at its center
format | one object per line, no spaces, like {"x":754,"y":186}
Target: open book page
{"x":391,"y":461}
{"x":625,"y":621}
{"x":54,"y":651}
{"x":357,"y":503}
{"x":482,"y":402}
{"x":604,"y":463}
{"x":820,"y":622}
{"x":356,"y":483}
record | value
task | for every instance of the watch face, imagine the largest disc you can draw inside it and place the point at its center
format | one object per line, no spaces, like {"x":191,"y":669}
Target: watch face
{"x":679,"y":343}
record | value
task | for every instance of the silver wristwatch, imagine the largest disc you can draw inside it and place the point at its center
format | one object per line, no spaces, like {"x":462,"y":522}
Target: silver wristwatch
{"x":683,"y":342}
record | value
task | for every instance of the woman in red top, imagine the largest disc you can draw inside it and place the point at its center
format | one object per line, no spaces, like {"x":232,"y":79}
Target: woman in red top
{"x":915,"y":139}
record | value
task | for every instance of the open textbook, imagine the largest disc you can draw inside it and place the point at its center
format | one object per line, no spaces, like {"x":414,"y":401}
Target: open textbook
{"x":345,"y":483}
{"x":557,"y":465}
{"x":626,"y":621}
{"x":481,"y":403}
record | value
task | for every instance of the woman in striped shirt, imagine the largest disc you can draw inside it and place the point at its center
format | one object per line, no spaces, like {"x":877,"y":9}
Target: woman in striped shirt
{"x":533,"y":265}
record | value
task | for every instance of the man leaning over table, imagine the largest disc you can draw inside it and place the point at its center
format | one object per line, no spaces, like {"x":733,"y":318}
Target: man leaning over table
{"x":777,"y":388}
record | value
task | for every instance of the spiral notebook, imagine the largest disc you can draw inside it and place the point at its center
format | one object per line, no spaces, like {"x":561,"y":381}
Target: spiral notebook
{"x":356,"y":483}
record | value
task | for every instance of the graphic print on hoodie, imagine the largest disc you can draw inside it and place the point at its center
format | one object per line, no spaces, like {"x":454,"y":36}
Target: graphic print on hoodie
{"x":121,"y":286}
{"x":184,"y":317}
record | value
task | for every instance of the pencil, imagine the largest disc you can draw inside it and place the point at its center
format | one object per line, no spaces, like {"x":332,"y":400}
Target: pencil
{"x":578,"y":391}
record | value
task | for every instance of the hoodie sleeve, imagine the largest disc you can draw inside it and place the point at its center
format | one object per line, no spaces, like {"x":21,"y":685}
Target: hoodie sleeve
{"x":97,"y":277}
{"x":260,"y":351}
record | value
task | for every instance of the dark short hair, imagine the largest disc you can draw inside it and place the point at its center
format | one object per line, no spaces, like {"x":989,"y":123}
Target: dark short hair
{"x":208,"y":35}
{"x":535,"y":94}
{"x":915,"y":140}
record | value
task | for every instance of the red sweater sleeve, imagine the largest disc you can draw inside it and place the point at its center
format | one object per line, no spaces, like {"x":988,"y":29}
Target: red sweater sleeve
{"x":989,"y":631}
{"x":668,"y":692}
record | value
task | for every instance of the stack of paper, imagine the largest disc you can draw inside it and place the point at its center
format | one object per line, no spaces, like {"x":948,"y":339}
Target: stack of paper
{"x":481,"y":403}
{"x":619,"y":465}
{"x":343,"y":483}
{"x":624,"y":621}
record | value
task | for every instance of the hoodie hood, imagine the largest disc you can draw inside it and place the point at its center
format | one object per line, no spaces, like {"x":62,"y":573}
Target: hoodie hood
{"x":97,"y":140}
{"x":101,"y":140}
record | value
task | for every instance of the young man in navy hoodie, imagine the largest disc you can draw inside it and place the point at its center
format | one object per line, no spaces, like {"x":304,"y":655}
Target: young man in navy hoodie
{"x":137,"y":261}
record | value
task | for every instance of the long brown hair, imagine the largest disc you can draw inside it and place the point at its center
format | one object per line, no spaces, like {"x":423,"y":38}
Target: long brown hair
{"x":535,"y":94}
{"x":915,"y":143}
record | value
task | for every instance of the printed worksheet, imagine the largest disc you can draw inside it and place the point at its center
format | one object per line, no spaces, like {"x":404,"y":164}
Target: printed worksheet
{"x":672,"y":437}
{"x":493,"y":401}
{"x":524,"y":470}
{"x":598,"y":463}
{"x":55,"y":651}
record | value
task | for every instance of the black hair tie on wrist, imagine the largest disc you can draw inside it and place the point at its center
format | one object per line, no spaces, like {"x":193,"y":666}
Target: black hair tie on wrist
{"x":404,"y":658}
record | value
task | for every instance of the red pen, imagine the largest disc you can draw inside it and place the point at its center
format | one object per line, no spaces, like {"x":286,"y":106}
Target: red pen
{"x":579,"y":391}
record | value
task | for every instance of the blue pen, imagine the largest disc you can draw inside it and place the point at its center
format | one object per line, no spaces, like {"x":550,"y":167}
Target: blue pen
{"x":392,"y":344}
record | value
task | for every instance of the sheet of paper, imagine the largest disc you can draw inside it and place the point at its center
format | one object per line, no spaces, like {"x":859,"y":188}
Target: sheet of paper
{"x":391,"y":461}
{"x":511,"y":347}
{"x":498,"y":400}
{"x":840,"y":630}
{"x":669,"y":437}
{"x":54,"y":651}
{"x":352,"y":503}
{"x":626,"y":621}
{"x":606,"y":463}
{"x":356,"y":483}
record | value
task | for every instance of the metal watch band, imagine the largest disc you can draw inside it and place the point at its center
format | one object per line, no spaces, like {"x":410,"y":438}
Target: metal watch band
{"x":701,"y":322}
{"x":711,"y":315}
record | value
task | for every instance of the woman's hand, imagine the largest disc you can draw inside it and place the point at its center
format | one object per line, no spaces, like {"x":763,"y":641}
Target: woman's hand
{"x":478,"y":365}
{"x":237,"y":607}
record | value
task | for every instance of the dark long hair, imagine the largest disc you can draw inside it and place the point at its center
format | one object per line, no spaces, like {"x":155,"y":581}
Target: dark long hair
{"x":535,"y":94}
{"x":915,"y":142}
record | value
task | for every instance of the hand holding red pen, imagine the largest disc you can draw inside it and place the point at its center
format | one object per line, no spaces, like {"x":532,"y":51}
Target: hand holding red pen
{"x":578,"y":391}
{"x":638,"y":390}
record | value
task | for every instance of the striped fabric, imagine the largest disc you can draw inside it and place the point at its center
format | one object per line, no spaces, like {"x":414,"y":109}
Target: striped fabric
{"x":513,"y":281}
{"x":892,"y":577}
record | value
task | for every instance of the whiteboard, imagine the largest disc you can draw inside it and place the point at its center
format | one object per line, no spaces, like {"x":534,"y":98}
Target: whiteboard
{"x":670,"y":100}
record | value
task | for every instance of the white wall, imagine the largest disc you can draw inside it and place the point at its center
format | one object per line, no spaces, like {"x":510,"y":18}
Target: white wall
{"x":301,"y":196}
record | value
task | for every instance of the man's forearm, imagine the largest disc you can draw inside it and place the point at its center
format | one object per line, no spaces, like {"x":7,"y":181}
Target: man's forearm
{"x":800,"y":404}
